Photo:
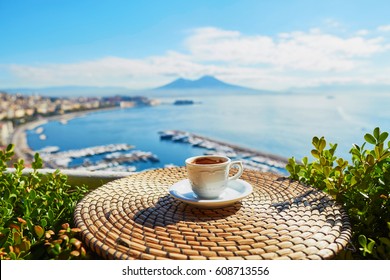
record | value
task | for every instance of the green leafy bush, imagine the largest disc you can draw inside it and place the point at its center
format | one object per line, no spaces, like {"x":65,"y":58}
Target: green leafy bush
{"x":362,"y":186}
{"x":34,"y":211}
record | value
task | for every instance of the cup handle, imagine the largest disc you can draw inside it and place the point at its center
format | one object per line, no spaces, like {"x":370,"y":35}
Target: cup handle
{"x":240,"y":170}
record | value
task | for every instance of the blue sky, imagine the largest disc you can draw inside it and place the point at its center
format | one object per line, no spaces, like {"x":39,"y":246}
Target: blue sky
{"x":143,"y":44}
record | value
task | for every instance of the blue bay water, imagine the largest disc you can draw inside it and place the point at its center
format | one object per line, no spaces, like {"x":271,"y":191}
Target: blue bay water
{"x":282,"y":124}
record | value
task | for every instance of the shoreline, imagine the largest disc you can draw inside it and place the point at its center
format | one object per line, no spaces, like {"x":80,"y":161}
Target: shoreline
{"x":19,"y":137}
{"x":24,"y":151}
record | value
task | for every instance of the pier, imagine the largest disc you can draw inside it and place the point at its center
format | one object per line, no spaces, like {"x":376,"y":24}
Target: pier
{"x":251,"y":158}
{"x":115,"y":157}
{"x":62,"y":159}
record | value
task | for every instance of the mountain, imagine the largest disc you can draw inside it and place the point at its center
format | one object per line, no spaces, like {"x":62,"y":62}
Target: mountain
{"x":205,"y":82}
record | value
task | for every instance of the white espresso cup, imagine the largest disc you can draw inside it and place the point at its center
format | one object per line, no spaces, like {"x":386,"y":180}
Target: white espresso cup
{"x":209,"y":175}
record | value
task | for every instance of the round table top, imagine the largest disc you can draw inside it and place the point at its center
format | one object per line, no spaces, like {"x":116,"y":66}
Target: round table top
{"x":136,"y":218}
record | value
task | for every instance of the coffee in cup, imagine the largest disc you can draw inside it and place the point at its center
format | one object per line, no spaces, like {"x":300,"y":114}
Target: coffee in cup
{"x":209,"y":175}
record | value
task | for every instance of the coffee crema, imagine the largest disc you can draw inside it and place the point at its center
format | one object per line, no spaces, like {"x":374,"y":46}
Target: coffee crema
{"x":208,"y":160}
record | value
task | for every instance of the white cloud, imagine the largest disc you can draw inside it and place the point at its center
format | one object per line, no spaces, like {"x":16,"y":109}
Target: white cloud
{"x":311,"y":51}
{"x":362,"y":32}
{"x":285,"y":60}
{"x":114,"y":71}
{"x":384,"y":28}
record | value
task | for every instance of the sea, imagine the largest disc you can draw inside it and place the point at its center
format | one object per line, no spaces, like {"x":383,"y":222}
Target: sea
{"x":276,"y":123}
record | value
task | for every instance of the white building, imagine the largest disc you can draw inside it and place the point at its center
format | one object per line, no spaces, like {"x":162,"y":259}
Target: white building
{"x":6,"y":129}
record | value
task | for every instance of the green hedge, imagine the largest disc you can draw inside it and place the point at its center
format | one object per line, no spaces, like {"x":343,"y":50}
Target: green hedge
{"x":362,"y":186}
{"x":35,"y":212}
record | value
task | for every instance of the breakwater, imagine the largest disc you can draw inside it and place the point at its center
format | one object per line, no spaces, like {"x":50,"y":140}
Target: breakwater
{"x":251,"y":158}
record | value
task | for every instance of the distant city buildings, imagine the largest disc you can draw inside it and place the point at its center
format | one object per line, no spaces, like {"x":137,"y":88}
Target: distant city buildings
{"x":6,"y":130}
{"x":16,"y":109}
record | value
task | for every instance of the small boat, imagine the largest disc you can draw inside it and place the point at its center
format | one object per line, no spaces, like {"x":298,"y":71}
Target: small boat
{"x":183,"y":102}
{"x":181,"y":138}
{"x":39,"y":130}
{"x":208,"y":145}
{"x":195,"y":141}
{"x":49,"y":149}
{"x":113,"y":155}
{"x":165,"y":135}
{"x":154,"y":158}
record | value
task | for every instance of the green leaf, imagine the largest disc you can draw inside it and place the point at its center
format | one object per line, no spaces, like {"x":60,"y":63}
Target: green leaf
{"x":355,"y":146}
{"x":50,"y":215}
{"x":322,"y":144}
{"x":385,"y":240}
{"x":10,"y":148}
{"x":12,"y":256}
{"x":43,"y":223}
{"x":317,"y":166}
{"x":25,"y":245}
{"x":39,"y":231}
{"x":333,"y":148}
{"x":370,"y":159}
{"x":329,"y":185}
{"x":315,"y":141}
{"x":383,"y":137}
{"x":385,"y":155}
{"x":326,"y":171}
{"x":289,"y":168}
{"x":370,"y":245}
{"x":370,"y":139}
{"x":376,"y":132}
{"x":17,"y":237}
{"x":32,"y":195}
{"x":353,"y":180}
{"x":362,"y":240}
{"x":355,"y":152}
{"x":37,"y":162}
{"x":315,"y":153}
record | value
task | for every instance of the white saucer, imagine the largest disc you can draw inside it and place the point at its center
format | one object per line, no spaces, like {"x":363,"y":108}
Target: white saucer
{"x":235,"y":191}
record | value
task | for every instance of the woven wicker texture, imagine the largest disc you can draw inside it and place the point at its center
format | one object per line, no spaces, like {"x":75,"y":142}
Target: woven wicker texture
{"x":135,"y":218}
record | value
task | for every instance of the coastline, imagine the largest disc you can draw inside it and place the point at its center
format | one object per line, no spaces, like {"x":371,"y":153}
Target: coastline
{"x":19,"y":137}
{"x":253,"y":157}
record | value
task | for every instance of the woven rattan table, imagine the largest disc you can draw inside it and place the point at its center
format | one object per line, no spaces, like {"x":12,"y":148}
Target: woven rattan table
{"x":136,"y":218}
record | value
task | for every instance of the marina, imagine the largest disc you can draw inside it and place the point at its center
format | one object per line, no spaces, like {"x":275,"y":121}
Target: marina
{"x":55,"y":159}
{"x":251,"y":159}
{"x":124,"y":157}
{"x":118,"y":162}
